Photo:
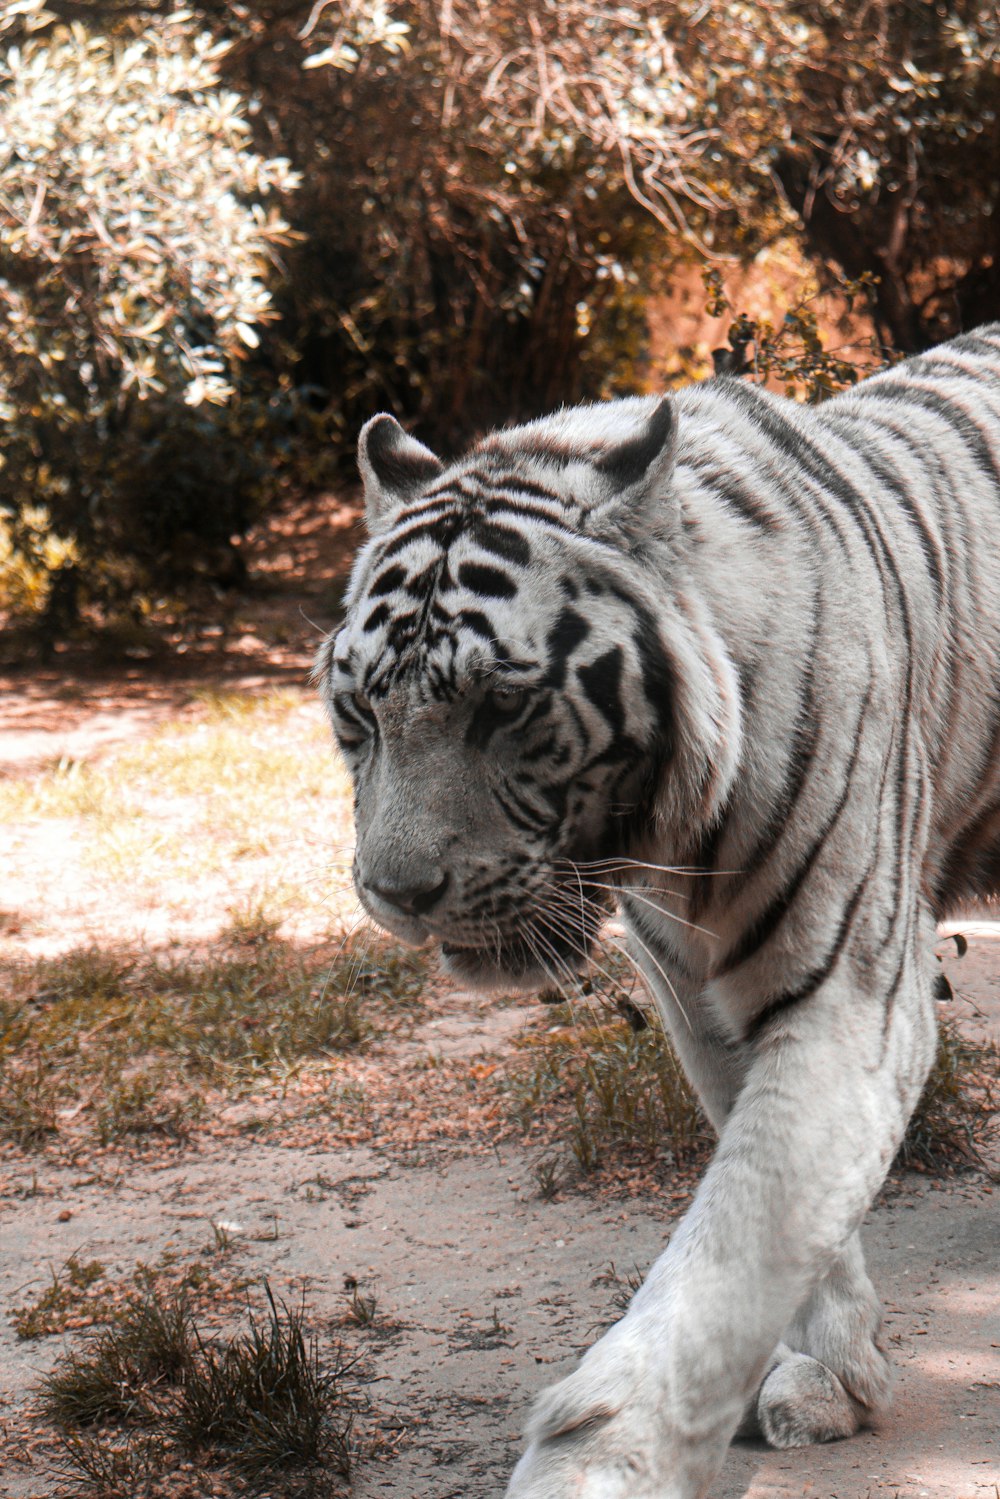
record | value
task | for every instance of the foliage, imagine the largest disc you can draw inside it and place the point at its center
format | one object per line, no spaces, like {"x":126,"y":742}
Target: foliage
{"x":489,"y":192}
{"x":890,"y":154}
{"x":134,"y":247}
{"x":793,"y":352}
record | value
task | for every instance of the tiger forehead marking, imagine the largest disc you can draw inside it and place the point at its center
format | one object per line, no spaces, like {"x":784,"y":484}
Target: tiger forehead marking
{"x":437,"y":577}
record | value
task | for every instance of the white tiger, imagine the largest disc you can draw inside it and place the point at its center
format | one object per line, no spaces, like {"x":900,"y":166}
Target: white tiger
{"x":754,"y":645}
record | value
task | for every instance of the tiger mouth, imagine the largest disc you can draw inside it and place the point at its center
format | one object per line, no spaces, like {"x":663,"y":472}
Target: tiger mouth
{"x":519,"y":962}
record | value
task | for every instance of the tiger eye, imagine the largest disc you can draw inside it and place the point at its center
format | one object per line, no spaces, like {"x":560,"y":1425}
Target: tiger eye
{"x":508,"y":700}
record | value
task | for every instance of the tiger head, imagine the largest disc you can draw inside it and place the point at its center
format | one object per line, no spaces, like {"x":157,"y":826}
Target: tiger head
{"x":516,"y":693}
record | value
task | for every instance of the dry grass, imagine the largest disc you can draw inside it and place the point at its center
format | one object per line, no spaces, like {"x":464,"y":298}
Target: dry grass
{"x":613,"y":1091}
{"x":75,"y":1293}
{"x":242,"y":805}
{"x":146,"y":1394}
{"x":612,"y":1088}
{"x":957,"y":1109}
{"x":133,"y":1038}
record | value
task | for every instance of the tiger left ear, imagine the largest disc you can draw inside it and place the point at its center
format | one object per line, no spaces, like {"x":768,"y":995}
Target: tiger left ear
{"x":636,"y":471}
{"x":394,"y":468}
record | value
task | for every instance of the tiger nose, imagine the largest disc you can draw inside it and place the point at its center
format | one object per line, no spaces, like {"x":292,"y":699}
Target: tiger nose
{"x":414,"y":900}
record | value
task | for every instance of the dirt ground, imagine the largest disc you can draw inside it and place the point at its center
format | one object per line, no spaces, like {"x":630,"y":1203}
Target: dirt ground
{"x":485,"y":1292}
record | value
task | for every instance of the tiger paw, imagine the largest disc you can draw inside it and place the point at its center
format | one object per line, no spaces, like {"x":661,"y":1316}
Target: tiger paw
{"x":801,"y":1402}
{"x":614,"y":1430}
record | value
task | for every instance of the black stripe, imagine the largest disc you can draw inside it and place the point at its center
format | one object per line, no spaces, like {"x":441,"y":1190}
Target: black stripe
{"x":517,"y":484}
{"x":376,"y":618}
{"x":441,"y":530}
{"x":528,"y":512}
{"x":489,"y":581}
{"x":659,"y":677}
{"x":885,"y":563}
{"x":906,"y":946}
{"x":501,"y":541}
{"x":792,"y":444}
{"x":557,"y":795}
{"x":893,"y":481}
{"x":507,"y":806}
{"x":818,"y":976}
{"x":566,"y":634}
{"x":602,"y":682}
{"x":434,"y":575}
{"x":704,"y":856}
{"x":784,"y":1002}
{"x":476,"y":621}
{"x":802,"y":753}
{"x":539,"y":751}
{"x":734,"y":491}
{"x":769,"y":920}
{"x":451,"y":488}
{"x":389,"y":580}
{"x":947,"y":409}
{"x":980,"y":341}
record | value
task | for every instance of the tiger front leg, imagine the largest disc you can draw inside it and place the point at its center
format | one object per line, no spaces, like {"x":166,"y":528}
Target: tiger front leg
{"x":829,"y":1376}
{"x":649,"y":1412}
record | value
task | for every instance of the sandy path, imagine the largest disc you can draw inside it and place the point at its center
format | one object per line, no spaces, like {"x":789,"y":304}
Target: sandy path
{"x":485,"y":1294}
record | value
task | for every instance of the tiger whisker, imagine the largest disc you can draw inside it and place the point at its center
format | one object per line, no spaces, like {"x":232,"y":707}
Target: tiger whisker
{"x":661,"y":910}
{"x":545,"y":916}
{"x":656,"y":964}
{"x":609,"y":978}
{"x":627,"y":863}
{"x":535,"y":942}
{"x":637,"y":895}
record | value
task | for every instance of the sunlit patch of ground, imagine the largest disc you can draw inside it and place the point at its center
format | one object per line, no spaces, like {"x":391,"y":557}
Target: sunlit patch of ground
{"x":237,"y":813}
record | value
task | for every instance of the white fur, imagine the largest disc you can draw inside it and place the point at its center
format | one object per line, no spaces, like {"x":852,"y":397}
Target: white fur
{"x":822,"y":584}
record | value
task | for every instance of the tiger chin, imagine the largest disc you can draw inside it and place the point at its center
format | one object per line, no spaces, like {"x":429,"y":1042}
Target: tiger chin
{"x":701,"y":658}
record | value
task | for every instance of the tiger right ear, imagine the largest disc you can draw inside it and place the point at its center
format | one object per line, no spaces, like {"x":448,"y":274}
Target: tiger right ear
{"x":634,"y":475}
{"x":394,"y":468}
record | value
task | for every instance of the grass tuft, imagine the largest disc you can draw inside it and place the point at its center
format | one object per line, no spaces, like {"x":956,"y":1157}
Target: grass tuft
{"x":252,"y":923}
{"x":266,"y":1401}
{"x":103,"y":1467}
{"x":958,"y":1104}
{"x":72,"y":1294}
{"x":146,"y":1395}
{"x":549,"y":1177}
{"x":139,"y":1106}
{"x":28,"y":1103}
{"x":137,"y":1034}
{"x":623,"y":1286}
{"x":362,"y":1309}
{"x":615,"y":1088}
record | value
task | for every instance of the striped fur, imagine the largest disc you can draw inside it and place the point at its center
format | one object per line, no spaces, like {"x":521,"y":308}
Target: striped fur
{"x":756,"y":645}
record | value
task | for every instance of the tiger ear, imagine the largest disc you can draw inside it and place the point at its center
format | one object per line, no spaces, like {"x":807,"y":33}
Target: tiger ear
{"x":394,"y":468}
{"x":635,"y":473}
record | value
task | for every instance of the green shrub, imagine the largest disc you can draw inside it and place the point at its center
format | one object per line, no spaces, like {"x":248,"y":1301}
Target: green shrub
{"x":134,"y":256}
